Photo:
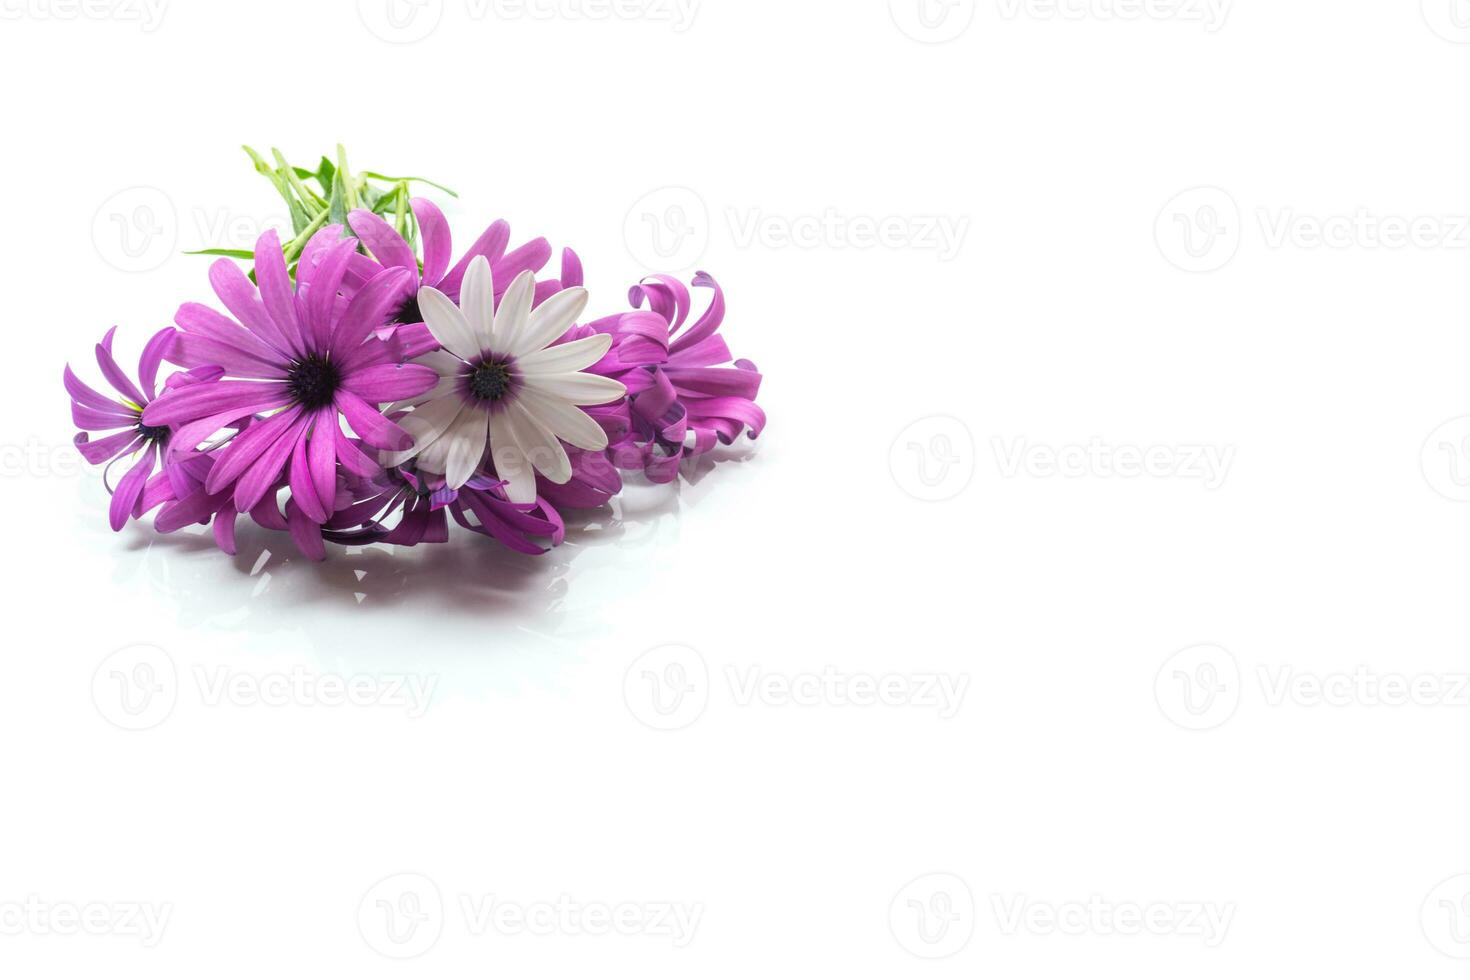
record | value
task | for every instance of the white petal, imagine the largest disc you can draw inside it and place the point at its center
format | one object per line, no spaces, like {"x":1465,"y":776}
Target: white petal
{"x":541,"y":447}
{"x":515,"y":310}
{"x":477,"y":300}
{"x":510,"y":462}
{"x":426,"y":424}
{"x":577,"y":388}
{"x":447,"y":324}
{"x":573,"y":356}
{"x":566,"y":420}
{"x":550,"y":320}
{"x":466,"y":445}
{"x":443,"y":362}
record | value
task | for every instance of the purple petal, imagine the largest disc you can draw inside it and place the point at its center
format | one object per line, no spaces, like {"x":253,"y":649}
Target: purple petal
{"x":180,"y":405}
{"x":491,"y":244}
{"x":153,"y":354}
{"x":90,"y":418}
{"x":276,"y":293}
{"x":323,"y":456}
{"x":128,"y":492}
{"x":86,"y":395}
{"x":240,"y":298}
{"x":370,"y":308}
{"x":369,"y":424}
{"x":266,"y":470}
{"x":303,"y":486}
{"x":106,"y":448}
{"x":434,"y":231}
{"x":306,"y":533}
{"x":114,"y":374}
{"x":224,"y":528}
{"x":247,"y":447}
{"x":390,"y":382}
{"x":385,"y":244}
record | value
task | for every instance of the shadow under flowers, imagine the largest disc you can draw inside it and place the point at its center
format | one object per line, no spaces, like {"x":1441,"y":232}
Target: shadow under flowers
{"x":267,"y":584}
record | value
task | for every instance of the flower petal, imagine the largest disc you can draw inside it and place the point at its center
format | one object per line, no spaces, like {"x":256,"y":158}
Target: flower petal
{"x":561,"y":358}
{"x":179,"y":405}
{"x":466,"y":443}
{"x":549,"y":321}
{"x":246,"y":448}
{"x":277,"y":295}
{"x":510,"y":461}
{"x":389,"y":382}
{"x":477,"y":302}
{"x":434,"y":231}
{"x":114,"y":375}
{"x":448,"y":324}
{"x":514,"y":311}
{"x":385,"y":244}
{"x":424,"y":426}
{"x":369,"y":424}
{"x":125,"y":497}
{"x":578,"y":388}
{"x":541,"y":446}
{"x":567,"y":421}
{"x":265,"y":471}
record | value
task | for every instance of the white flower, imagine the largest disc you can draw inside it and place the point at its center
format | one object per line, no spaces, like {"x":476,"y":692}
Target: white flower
{"x":501,"y":386}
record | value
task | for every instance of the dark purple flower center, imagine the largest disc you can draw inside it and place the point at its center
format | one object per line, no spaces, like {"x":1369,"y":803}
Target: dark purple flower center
{"x":153,"y":433}
{"x":490,"y":380}
{"x":409,"y":312}
{"x":313,"y":381}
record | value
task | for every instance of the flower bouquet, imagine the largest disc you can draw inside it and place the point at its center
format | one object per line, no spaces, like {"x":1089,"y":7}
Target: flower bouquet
{"x":364,"y":384}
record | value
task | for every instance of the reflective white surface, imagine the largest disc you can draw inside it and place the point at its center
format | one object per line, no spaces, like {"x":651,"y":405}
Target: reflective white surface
{"x":1103,"y":562}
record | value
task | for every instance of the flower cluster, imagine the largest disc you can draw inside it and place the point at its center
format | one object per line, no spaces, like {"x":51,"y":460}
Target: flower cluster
{"x":362,"y":385}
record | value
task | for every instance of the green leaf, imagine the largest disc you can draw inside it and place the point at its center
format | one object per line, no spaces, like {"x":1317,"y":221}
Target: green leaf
{"x":231,"y":253}
{"x":420,"y":180}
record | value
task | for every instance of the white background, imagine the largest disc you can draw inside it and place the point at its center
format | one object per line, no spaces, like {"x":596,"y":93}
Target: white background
{"x":1190,"y":232}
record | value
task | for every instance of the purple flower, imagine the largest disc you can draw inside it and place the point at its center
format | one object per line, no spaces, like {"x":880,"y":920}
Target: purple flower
{"x":681,"y":400}
{"x":406,"y":507}
{"x":140,"y":490}
{"x":306,"y":358}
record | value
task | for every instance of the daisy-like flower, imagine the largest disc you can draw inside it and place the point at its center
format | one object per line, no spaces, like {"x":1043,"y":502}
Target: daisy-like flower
{"x":506,"y":386}
{"x":302,"y":355}
{"x":140,"y":490}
